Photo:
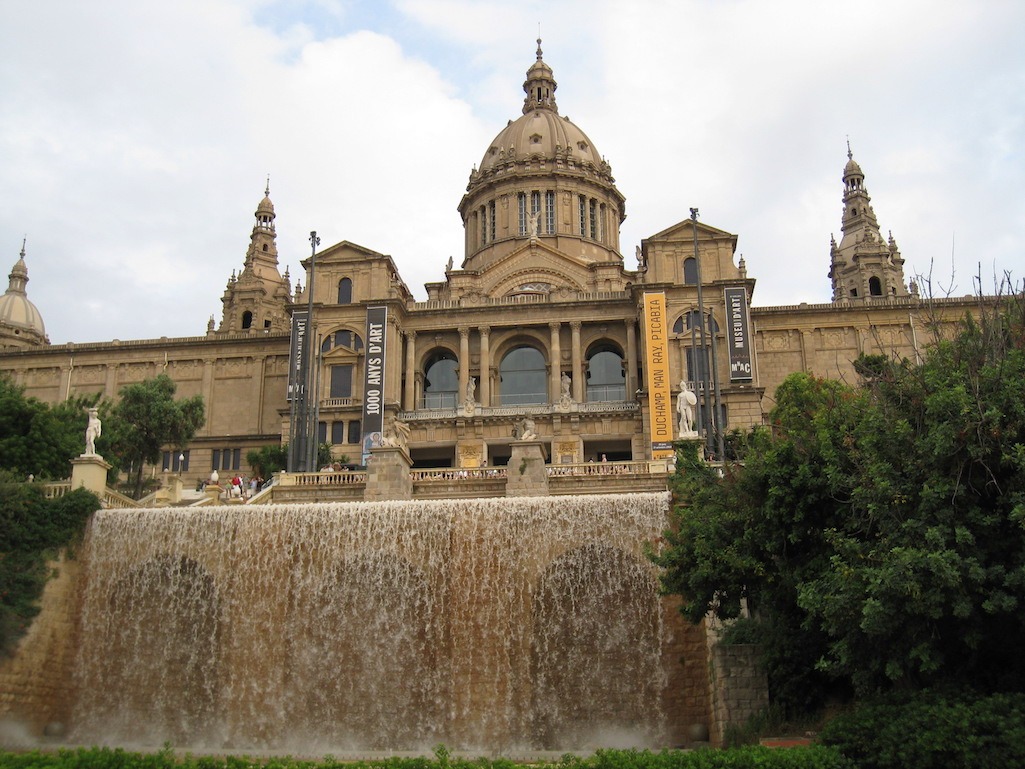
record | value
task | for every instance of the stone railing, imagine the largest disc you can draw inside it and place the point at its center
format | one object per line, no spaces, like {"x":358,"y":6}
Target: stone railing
{"x":457,"y":474}
{"x":115,"y":500}
{"x":537,"y":409}
{"x":57,"y":489}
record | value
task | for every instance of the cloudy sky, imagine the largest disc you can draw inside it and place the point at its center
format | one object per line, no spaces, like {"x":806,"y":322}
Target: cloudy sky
{"x":136,"y":136}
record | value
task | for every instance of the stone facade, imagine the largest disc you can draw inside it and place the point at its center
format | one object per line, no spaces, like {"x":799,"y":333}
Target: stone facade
{"x":542,"y":319}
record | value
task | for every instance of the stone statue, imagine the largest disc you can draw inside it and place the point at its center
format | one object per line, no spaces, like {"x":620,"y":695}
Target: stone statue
{"x":525,"y":430}
{"x":471,"y":389}
{"x":685,"y":403}
{"x":535,"y":224}
{"x":448,"y":267}
{"x":396,"y":435}
{"x":92,"y":431}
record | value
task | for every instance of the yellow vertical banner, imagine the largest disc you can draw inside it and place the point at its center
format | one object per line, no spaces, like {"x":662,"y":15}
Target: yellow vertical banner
{"x":656,"y":350}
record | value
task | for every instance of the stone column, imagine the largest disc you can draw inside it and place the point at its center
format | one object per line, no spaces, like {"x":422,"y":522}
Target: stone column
{"x":554,"y":388}
{"x":464,"y":361}
{"x":631,"y":359}
{"x":388,"y":474}
{"x":484,"y":381}
{"x":409,"y":397}
{"x":526,"y":475}
{"x":578,"y":369}
{"x":89,"y":471}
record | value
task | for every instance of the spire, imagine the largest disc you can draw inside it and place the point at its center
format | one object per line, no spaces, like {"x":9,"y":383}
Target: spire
{"x":864,"y":265}
{"x":18,"y":276}
{"x":539,"y":86}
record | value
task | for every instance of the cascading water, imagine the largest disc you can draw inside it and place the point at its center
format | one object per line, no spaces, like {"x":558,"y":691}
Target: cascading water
{"x":496,"y":625}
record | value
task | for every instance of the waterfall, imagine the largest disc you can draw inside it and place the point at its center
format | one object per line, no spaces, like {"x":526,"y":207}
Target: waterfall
{"x":493,"y":624}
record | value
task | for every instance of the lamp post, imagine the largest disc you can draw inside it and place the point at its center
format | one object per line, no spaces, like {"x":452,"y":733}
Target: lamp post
{"x":181,"y":462}
{"x":308,"y":455}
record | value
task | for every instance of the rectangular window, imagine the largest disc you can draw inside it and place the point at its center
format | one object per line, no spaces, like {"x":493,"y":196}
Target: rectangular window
{"x":226,"y":459}
{"x":592,"y":211}
{"x":491,"y":221}
{"x":582,"y":201}
{"x":601,"y":223}
{"x":535,"y":202}
{"x":341,"y":381}
{"x":321,"y":432}
{"x":550,"y":212}
{"x":522,"y":197}
{"x":175,"y":461}
{"x":483,"y":226}
{"x":337,"y":432}
{"x":354,"y":431}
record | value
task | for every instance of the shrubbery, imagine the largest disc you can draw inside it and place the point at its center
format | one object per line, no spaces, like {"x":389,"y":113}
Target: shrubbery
{"x":928,"y":730}
{"x":816,"y":757}
{"x":32,"y":530}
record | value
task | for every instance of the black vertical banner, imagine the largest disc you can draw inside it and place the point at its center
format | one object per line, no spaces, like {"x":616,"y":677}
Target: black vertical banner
{"x":373,"y":379}
{"x":296,"y":353}
{"x":739,"y":334}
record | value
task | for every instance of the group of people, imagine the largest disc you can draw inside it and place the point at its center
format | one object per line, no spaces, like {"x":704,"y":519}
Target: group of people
{"x":244,"y":487}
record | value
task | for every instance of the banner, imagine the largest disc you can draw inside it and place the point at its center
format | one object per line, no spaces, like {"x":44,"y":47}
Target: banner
{"x":296,"y":351}
{"x":656,"y":349}
{"x":739,"y":334}
{"x":373,"y":379}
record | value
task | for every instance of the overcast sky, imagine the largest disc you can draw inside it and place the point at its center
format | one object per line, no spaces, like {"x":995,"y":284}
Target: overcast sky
{"x":136,"y":136}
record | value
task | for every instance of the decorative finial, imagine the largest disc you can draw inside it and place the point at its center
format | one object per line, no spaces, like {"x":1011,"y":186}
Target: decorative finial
{"x":539,"y":41}
{"x":266,"y":190}
{"x":23,"y":246}
{"x":850,"y":155}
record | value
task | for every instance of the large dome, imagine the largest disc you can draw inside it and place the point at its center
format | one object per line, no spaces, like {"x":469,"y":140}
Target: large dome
{"x":21,"y":324}
{"x":540,"y":133}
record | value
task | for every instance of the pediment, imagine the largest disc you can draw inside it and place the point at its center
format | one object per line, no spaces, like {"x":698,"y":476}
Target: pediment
{"x":534,"y":269}
{"x":347,"y":251}
{"x":685,"y":230}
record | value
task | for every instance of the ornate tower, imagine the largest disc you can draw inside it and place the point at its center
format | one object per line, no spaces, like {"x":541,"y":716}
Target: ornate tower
{"x":541,"y":179}
{"x":256,"y":298}
{"x":21,"y":325}
{"x":863,"y":267}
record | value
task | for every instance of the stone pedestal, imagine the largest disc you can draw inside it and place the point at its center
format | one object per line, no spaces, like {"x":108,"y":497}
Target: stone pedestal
{"x":213,"y":491}
{"x":89,"y":471}
{"x":388,"y":474}
{"x":526,"y":474}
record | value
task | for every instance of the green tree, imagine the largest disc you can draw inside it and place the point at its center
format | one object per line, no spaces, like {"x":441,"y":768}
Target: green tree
{"x":268,"y":460}
{"x":147,"y":418}
{"x":877,"y":532}
{"x":39,"y":439}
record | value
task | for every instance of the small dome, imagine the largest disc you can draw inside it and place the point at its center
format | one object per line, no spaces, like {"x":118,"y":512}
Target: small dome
{"x":19,"y":318}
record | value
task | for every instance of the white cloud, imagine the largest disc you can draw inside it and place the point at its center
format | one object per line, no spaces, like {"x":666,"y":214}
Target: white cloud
{"x":136,"y":137}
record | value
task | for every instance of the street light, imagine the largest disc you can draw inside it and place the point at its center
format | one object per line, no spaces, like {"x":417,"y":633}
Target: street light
{"x":181,"y":463}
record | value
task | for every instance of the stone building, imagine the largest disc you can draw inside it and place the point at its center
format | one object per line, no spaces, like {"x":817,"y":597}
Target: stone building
{"x":541,"y":319}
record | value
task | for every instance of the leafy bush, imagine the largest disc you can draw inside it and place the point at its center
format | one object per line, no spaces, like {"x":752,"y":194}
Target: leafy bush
{"x":32,"y":530}
{"x":816,"y":757}
{"x":931,"y":729}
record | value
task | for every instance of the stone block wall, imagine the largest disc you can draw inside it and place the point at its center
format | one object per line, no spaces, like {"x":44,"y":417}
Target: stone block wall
{"x":739,"y":686}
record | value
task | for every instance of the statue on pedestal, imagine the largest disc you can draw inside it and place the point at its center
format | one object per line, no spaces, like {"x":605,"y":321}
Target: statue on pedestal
{"x":685,"y":403}
{"x":92,"y":431}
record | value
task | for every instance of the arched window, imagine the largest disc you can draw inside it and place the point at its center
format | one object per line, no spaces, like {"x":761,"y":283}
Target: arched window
{"x":606,"y":377}
{"x":524,"y":379}
{"x":341,"y":338}
{"x":247,"y":319}
{"x":692,"y":319}
{"x":441,"y":381}
{"x":345,"y":291}
{"x":875,"y":286}
{"x":690,"y":271}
